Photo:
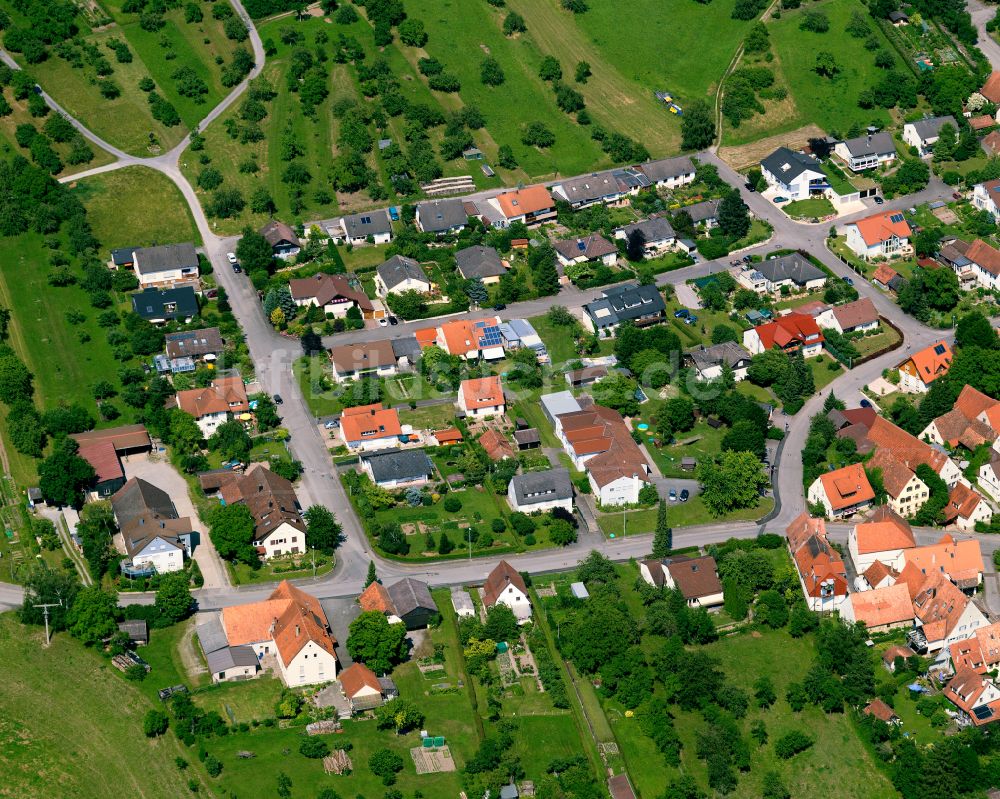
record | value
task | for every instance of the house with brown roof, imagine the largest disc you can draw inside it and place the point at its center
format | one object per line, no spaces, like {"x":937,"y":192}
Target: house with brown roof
{"x":969,"y":423}
{"x":884,"y":276}
{"x":911,"y":451}
{"x":881,"y":711}
{"x":905,"y":492}
{"x":367,"y":359}
{"x":127,"y":439}
{"x":284,"y":242}
{"x":859,"y":316}
{"x":594,"y":247}
{"x":505,"y":585}
{"x":109,"y":475}
{"x":154,"y":537}
{"x":821,"y":570}
{"x":205,"y":344}
{"x":883,"y":536}
{"x":218,"y":402}
{"x":989,"y":476}
{"x":983,"y":262}
{"x":278,"y":525}
{"x":880,"y":610}
{"x":842,"y":492}
{"x":696,"y":578}
{"x":966,"y":508}
{"x":991,"y":143}
{"x":288,"y":631}
{"x":893,"y":652}
{"x":333,"y":293}
{"x":979,"y":652}
{"x":878,"y":575}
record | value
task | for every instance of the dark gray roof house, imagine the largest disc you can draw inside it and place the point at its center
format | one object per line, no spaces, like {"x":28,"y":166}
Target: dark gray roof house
{"x":870,"y":145}
{"x":479,"y":261}
{"x":930,"y":127}
{"x":368,"y":223}
{"x":654,"y":230}
{"x":729,"y":353}
{"x":533,"y":488}
{"x":630,"y":179}
{"x":399,"y":269}
{"x":413,"y":602}
{"x":442,"y":216}
{"x":166,"y":257}
{"x":160,"y":305}
{"x":194,"y":343}
{"x":626,"y":303}
{"x":667,"y":169}
{"x":786,"y":164}
{"x":123,"y":256}
{"x":399,"y":466}
{"x":406,"y":347}
{"x":705,"y":211}
{"x":589,"y":189}
{"x":793,"y":267}
{"x":231,"y":657}
{"x":137,"y":497}
{"x":589,"y":248}
{"x":281,"y":237}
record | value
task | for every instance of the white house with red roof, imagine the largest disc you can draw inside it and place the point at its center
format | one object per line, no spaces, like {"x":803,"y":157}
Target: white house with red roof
{"x":822,"y":573}
{"x":842,"y":492}
{"x":794,"y":332}
{"x":880,"y":235}
{"x":923,"y":367}
{"x":482,"y":396}
{"x":369,"y":427}
{"x":883,"y":536}
{"x":986,"y":197}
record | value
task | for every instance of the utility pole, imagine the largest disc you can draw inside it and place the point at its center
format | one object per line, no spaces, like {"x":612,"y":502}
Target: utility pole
{"x":45,"y":613}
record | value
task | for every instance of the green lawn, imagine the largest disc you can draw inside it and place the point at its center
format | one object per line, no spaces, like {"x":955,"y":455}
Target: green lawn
{"x":560,"y":346}
{"x":886,"y":337}
{"x":680,"y":514}
{"x":282,"y":569}
{"x":809,"y":209}
{"x":822,"y":374}
{"x":72,"y":726}
{"x":119,"y":213}
{"x":838,"y":179}
{"x":431,"y":417}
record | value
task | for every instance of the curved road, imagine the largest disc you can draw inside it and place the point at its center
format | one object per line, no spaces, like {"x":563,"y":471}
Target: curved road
{"x":273,"y":356}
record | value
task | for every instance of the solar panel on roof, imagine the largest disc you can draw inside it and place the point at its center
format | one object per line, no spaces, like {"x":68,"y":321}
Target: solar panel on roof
{"x":939,"y":349}
{"x":982,"y":712}
{"x":896,"y":218}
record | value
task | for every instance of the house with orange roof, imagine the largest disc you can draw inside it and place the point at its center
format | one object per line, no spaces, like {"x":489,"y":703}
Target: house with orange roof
{"x":895,"y":651}
{"x":911,"y":451}
{"x":883,"y":536}
{"x":966,"y":508}
{"x":969,"y":423}
{"x":289,"y":631}
{"x":822,"y":573}
{"x":885,"y":277}
{"x":531,"y":205}
{"x":361,"y":688}
{"x":842,"y":492}
{"x":976,"y":696}
{"x":943,"y":614}
{"x":960,"y":561}
{"x":880,"y":610}
{"x":497,"y":445}
{"x":794,"y":332}
{"x":880,"y":710}
{"x":471,"y":339}
{"x":482,"y":396}
{"x":922,"y":368}
{"x":885,"y":234}
{"x":802,"y":528}
{"x":215,"y":404}
{"x":984,"y":262}
{"x":878,"y":575}
{"x":368,"y":427}
{"x":979,"y":652}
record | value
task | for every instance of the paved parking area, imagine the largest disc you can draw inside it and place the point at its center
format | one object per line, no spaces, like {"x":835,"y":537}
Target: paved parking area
{"x":687,"y":296}
{"x":160,"y":472}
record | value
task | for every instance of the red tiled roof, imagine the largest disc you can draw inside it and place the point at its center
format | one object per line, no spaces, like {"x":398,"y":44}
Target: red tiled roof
{"x":104,"y":458}
{"x":602,"y":430}
{"x":791,"y":329}
{"x":802,"y":528}
{"x":962,"y":501}
{"x":358,"y":676}
{"x":882,"y":606}
{"x":496,"y":583}
{"x":529,"y":200}
{"x":982,"y":121}
{"x":482,"y":392}
{"x":369,"y":422}
{"x":884,"y":273}
{"x":877,"y":572}
{"x":881,"y":227}
{"x":991,"y":88}
{"x":324,"y":289}
{"x":883,"y":530}
{"x":939,"y":605}
{"x":881,"y":711}
{"x":450,"y":435}
{"x":907,"y":448}
{"x":375,"y":597}
{"x":981,"y":253}
{"x":225,"y":394}
{"x":496,"y":445}
{"x":847,"y":486}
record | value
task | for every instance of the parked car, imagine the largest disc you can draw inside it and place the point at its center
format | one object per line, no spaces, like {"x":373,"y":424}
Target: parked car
{"x":779,"y":200}
{"x":673,"y":494}
{"x":277,"y":399}
{"x":237,"y":268}
{"x":680,"y":313}
{"x":956,"y":196}
{"x":332,"y":424}
{"x":38,"y":89}
{"x":393,"y":320}
{"x":231,"y":257}
{"x":690,"y":320}
{"x":383,"y":322}
{"x":685,"y":495}
{"x":500,"y":306}
{"x":394,"y":213}
{"x":865,"y":403}
{"x":878,"y":200}
{"x":749,"y":186}
{"x":747,"y":259}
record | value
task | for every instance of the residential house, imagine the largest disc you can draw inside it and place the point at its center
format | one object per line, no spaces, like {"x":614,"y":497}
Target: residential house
{"x":159,"y":306}
{"x":407,"y":601}
{"x":166,"y":266}
{"x":497,"y":445}
{"x":480,"y":262}
{"x":710,"y":362}
{"x":966,"y":509}
{"x":599,"y":442}
{"x":587,"y":190}
{"x":991,"y":88}
{"x":400,"y":274}
{"x":794,"y":270}
{"x":705,"y":213}
{"x":922,"y":368}
{"x":370,"y":427}
{"x":859,"y":316}
{"x":630,"y":182}
{"x":924,"y":133}
{"x":155,"y":537}
{"x":205,"y":344}
{"x":482,"y":396}
{"x":669,"y":172}
{"x":368,"y":359}
{"x":278,"y":525}
{"x":884,"y":276}
{"x":911,"y":451}
{"x":944,"y":614}
{"x":506,"y":586}
{"x":109,"y":475}
{"x":284,"y":242}
{"x":541,"y":491}
{"x":882,"y":235}
{"x":794,"y":332}
{"x":520,"y":334}
{"x":989,"y":476}
{"x":641,"y":305}
{"x":981,"y":262}
{"x":976,"y":696}
{"x":906,"y":493}
{"x":358,"y":229}
{"x":361,"y":688}
{"x":842,"y":492}
{"x":398,"y":468}
{"x":441,"y":216}
{"x":531,"y":205}
{"x":232,"y":664}
{"x":471,"y":339}
{"x":867,"y":152}
{"x":980,"y":652}
{"x":696,"y":578}
{"x":960,"y":561}
{"x":793,"y":175}
{"x":883,"y":536}
{"x":595,"y":247}
{"x":878,"y":575}
{"x":657,"y":235}
{"x":880,"y":610}
{"x":292,"y":626}
{"x":333,"y":293}
{"x":895,"y":651}
{"x":881,"y":711}
{"x":986,"y":197}
{"x":969,"y":423}
{"x":821,"y":570}
{"x":218,"y":402}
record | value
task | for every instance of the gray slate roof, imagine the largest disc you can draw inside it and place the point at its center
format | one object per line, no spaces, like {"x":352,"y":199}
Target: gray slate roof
{"x":409,"y":594}
{"x":400,"y":268}
{"x":625,"y":303}
{"x":368,"y":223}
{"x":534,"y":487}
{"x":700,"y":212}
{"x":479,"y":261}
{"x":728,"y":352}
{"x":667,"y":168}
{"x":437,"y":216}
{"x":164,"y":257}
{"x":211,"y":634}
{"x":875,"y":144}
{"x":789,"y":267}
{"x":407,"y":464}
{"x":406,"y":347}
{"x":657,"y":228}
{"x":194,"y":343}
{"x":151,"y":303}
{"x":137,"y":497}
{"x":787,"y":164}
{"x":590,"y":188}
{"x":230,"y":657}
{"x":929,"y":127}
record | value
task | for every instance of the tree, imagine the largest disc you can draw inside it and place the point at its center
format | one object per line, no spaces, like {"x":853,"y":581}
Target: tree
{"x":663,"y":538}
{"x":323,"y":532}
{"x":757,"y":39}
{"x":43,"y":585}
{"x":763,"y":691}
{"x":582,"y":72}
{"x":253,"y":251}
{"x":815,"y":21}
{"x":513,"y":23}
{"x":697,"y":126}
{"x":386,"y":764}
{"x":91,"y":617}
{"x":505,"y":157}
{"x":64,"y":475}
{"x":944,"y":147}
{"x":412,"y":33}
{"x":734,"y":216}
{"x":15,"y":379}
{"x":155,"y":723}
{"x":617,"y":392}
{"x":231,"y":528}
{"x":550,"y":69}
{"x":734,"y":481}
{"x":635,"y":245}
{"x":536,"y":134}
{"x":745,"y":436}
{"x":231,"y":441}
{"x":375,"y":642}
{"x":173,"y":597}
{"x":975,"y":330}
{"x":372,"y":574}
{"x":501,"y":623}
{"x":314,"y":748}
{"x":770,"y":609}
{"x":772,"y":787}
{"x":826,"y":65}
{"x":476,"y":291}
{"x":400,"y":715}
{"x":490,"y":72}
{"x":734,"y":599}
{"x":678,"y":414}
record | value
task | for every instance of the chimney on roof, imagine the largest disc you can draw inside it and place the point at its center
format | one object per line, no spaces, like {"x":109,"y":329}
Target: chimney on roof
{"x":298,"y":631}
{"x":270,"y":630}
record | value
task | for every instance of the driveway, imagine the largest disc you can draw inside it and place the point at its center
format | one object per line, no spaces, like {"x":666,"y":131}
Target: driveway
{"x":162,"y":474}
{"x":687,"y":296}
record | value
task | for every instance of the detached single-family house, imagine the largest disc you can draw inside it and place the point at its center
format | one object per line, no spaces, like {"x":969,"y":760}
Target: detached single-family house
{"x":205,"y":344}
{"x":284,"y":243}
{"x":641,"y":305}
{"x":333,"y":293}
{"x":794,"y":175}
{"x":218,"y":402}
{"x":154,"y":536}
{"x":704,"y":213}
{"x":368,"y":359}
{"x":922,"y":368}
{"x":966,"y":509}
{"x":400,"y":274}
{"x":587,"y":190}
{"x":482,"y":396}
{"x":924,"y":133}
{"x":859,"y":316}
{"x":969,"y":423}
{"x":541,"y":491}
{"x":710,"y":362}
{"x":696,"y":578}
{"x":357,"y":229}
{"x":980,"y":261}
{"x":398,"y":468}
{"x":480,"y":262}
{"x":496,"y":445}
{"x":585,"y":250}
{"x":361,"y":688}
{"x":292,"y":626}
{"x":370,"y":427}
{"x":669,"y":172}
{"x":867,"y":152}
{"x":793,"y":332}
{"x":906,"y":493}
{"x":441,"y":216}
{"x":505,"y":585}
{"x":278,"y":525}
{"x":976,"y":696}
{"x":471,"y":339}
{"x":880,"y":235}
{"x":531,"y":205}
{"x":159,"y":306}
{"x":883,"y":536}
{"x":986,"y":197}
{"x":989,"y":476}
{"x":408,"y":602}
{"x":657,"y":235}
{"x":794,"y":271}
{"x":166,"y":266}
{"x":842,"y":492}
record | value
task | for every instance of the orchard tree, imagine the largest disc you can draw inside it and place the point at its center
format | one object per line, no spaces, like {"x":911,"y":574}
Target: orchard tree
{"x":91,"y":617}
{"x":375,"y":642}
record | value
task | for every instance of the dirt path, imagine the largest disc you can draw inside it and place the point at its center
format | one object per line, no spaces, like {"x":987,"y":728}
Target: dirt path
{"x":187,"y":648}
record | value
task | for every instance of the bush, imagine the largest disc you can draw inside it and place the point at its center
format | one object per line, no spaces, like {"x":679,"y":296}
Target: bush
{"x":314,"y":748}
{"x":452,"y":504}
{"x":155,"y":723}
{"x":791,"y":743}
